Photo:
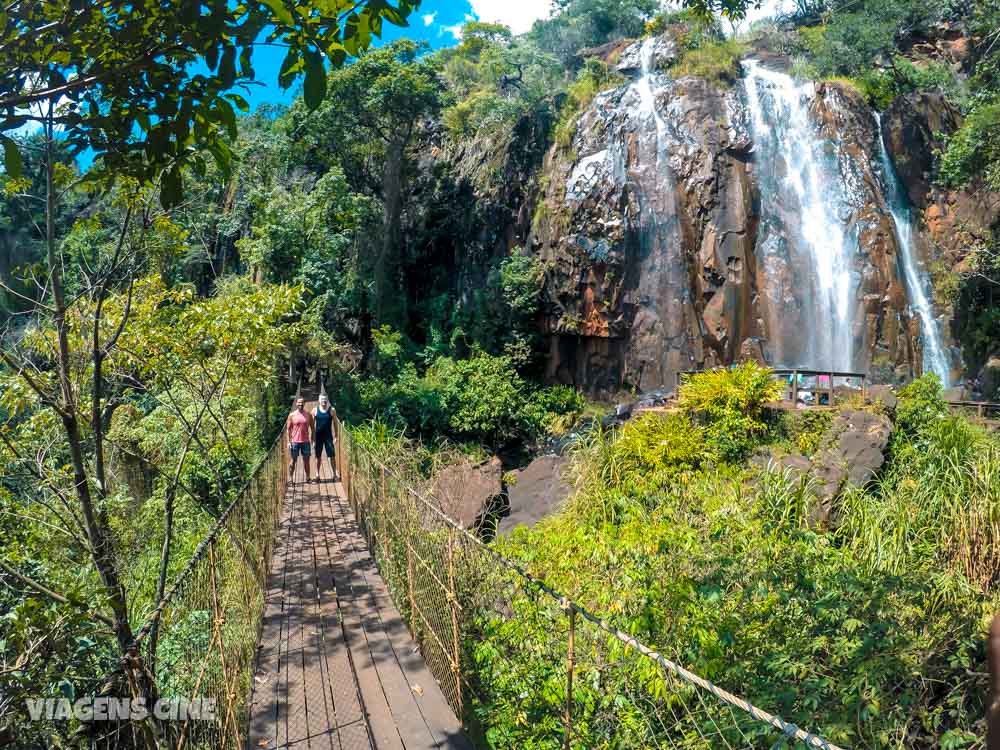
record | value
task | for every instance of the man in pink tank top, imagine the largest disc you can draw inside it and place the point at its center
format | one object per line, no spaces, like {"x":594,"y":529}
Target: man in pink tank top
{"x":300,"y":429}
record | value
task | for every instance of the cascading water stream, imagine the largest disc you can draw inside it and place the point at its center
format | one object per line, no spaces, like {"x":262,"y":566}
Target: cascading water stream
{"x":935,"y":359}
{"x":644,"y":87}
{"x":804,"y":240}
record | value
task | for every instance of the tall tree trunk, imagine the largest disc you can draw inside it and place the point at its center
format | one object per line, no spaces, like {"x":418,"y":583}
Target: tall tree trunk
{"x":95,"y":520}
{"x":388,"y":308}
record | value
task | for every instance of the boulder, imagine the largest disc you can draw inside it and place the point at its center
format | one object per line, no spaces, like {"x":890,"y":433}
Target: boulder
{"x":468,"y":491}
{"x":535,"y":492}
{"x":883,"y":394}
{"x":853,"y":452}
{"x":989,"y":379}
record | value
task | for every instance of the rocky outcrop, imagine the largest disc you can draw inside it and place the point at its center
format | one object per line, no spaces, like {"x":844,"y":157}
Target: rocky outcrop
{"x":851,"y":454}
{"x":467,"y":491}
{"x":535,"y":492}
{"x":650,"y":227}
{"x":647,"y":233}
{"x":854,"y":452}
{"x":953,"y":221}
{"x":882,"y":325}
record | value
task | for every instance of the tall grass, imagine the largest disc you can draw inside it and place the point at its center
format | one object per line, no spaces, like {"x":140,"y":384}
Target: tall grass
{"x":938,"y":505}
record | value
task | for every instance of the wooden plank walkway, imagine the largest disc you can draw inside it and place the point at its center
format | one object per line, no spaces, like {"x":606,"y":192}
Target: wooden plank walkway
{"x":336,"y":667}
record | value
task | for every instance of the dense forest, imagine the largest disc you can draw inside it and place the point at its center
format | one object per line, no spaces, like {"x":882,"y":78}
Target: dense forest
{"x":411,"y":231}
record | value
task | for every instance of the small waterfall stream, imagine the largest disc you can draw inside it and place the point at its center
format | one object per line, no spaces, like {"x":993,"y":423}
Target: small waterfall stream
{"x":806,"y":253}
{"x":935,"y":358}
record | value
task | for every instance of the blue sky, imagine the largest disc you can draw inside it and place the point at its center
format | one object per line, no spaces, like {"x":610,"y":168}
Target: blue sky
{"x":437,"y":22}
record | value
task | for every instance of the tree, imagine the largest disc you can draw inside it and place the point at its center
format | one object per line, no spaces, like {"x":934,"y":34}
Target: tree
{"x":128,"y":79}
{"x":376,"y":108}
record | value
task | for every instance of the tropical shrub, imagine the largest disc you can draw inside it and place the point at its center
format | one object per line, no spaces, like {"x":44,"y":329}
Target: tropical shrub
{"x":730,"y":403}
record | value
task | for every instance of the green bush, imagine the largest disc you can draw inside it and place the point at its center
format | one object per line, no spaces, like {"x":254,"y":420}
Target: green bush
{"x":805,"y":429}
{"x":921,"y":403}
{"x":730,"y":403}
{"x":482,"y":399}
{"x":716,"y":61}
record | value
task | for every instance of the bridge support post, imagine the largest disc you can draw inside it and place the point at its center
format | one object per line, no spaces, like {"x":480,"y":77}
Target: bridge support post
{"x":993,"y":701}
{"x":795,"y":388}
{"x":409,"y":584}
{"x":570,"y":665}
{"x":456,"y":641}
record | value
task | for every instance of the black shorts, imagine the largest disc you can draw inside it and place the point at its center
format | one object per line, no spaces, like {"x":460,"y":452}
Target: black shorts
{"x":324,"y":443}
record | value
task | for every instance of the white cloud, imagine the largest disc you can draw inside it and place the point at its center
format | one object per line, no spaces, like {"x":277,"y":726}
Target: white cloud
{"x":455,"y":31}
{"x":518,"y":14}
{"x":429,"y":18}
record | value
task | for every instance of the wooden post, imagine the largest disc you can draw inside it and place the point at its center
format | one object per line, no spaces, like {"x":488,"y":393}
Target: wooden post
{"x":570,"y":664}
{"x":993,"y":701}
{"x":409,"y":586}
{"x":381,"y":520}
{"x":831,"y":390}
{"x":453,"y":600}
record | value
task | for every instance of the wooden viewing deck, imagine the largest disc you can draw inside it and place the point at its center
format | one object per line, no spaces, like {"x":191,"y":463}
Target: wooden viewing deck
{"x":336,"y":667}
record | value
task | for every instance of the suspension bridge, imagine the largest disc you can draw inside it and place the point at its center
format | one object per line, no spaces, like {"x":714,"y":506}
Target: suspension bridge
{"x":354,"y":613}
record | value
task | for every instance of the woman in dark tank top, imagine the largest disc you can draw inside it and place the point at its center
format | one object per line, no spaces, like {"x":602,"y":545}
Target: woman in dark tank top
{"x":324,"y":416}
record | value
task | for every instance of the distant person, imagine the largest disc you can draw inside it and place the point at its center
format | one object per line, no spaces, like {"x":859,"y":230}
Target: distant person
{"x":300,"y":425}
{"x":323,"y":418}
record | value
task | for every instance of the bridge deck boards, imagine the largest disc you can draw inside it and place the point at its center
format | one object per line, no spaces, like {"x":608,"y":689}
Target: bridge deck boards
{"x":336,"y":667}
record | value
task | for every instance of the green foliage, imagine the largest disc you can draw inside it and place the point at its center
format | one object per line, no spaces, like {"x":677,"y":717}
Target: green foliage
{"x":675,"y":17}
{"x":141,"y":100}
{"x":730,"y":402}
{"x":881,"y":86}
{"x":805,"y":429}
{"x":481,"y":399}
{"x":973,"y":152}
{"x":496,"y":80}
{"x":715,"y":61}
{"x":974,"y":149}
{"x":921,"y":404}
{"x":578,"y":24}
{"x":843,"y":633}
{"x":978,"y":324}
{"x":858,"y":34}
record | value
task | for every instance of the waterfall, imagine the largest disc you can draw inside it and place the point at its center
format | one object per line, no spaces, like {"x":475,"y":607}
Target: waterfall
{"x":806,"y":253}
{"x":935,"y":358}
{"x":644,"y":87}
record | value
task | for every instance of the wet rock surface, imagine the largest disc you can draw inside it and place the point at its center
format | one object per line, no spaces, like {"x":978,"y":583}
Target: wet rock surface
{"x":646,"y":228}
{"x":650,"y":226}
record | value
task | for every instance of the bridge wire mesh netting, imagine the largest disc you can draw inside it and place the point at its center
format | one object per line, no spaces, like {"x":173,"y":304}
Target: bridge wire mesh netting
{"x":201,"y":641}
{"x":522,"y":665}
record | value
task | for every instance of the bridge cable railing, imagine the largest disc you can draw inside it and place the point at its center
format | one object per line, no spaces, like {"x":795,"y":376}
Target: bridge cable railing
{"x":520,"y":663}
{"x":201,"y":665}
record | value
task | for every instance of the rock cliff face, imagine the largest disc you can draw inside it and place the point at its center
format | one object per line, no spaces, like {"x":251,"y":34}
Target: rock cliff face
{"x":952,"y":221}
{"x":647,"y":229}
{"x":884,"y":331}
{"x":650,"y":225}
